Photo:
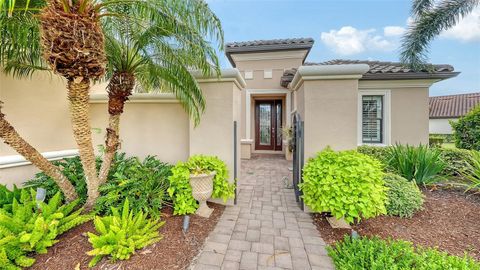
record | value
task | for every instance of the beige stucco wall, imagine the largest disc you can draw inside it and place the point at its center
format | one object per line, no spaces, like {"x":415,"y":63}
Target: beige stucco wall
{"x":330,"y":114}
{"x":409,"y":115}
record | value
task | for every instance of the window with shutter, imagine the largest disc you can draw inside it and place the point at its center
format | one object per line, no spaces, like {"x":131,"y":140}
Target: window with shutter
{"x":372,"y":119}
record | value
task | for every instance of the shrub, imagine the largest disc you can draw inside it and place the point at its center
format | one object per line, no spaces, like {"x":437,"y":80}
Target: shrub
{"x":378,"y":152}
{"x":144,"y":184}
{"x":120,"y":234}
{"x":420,"y":164}
{"x":404,"y":197}
{"x":30,"y":226}
{"x":181,"y":191}
{"x":456,"y":161}
{"x":346,"y":184}
{"x":466,"y":130}
{"x":377,"y":254}
{"x":435,"y":141}
{"x":472,"y":174}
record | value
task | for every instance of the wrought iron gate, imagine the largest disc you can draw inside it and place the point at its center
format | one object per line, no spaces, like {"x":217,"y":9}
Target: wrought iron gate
{"x":298,"y":156}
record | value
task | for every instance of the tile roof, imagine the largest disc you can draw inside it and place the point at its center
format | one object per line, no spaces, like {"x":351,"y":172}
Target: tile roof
{"x":453,"y":106}
{"x":382,"y":70}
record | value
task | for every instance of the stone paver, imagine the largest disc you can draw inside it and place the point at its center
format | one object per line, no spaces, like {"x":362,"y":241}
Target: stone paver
{"x":266,"y":229}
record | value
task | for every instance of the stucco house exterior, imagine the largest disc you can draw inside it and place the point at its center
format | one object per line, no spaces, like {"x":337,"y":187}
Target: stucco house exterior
{"x":339,"y":103}
{"x":444,"y":109}
{"x":343,"y":103}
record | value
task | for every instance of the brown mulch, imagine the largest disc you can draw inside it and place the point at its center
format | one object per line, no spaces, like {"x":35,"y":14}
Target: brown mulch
{"x":450,"y":221}
{"x":175,"y":251}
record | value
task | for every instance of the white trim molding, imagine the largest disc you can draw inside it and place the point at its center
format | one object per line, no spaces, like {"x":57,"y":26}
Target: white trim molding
{"x":389,"y":84}
{"x":257,"y":56}
{"x":248,"y":101}
{"x":387,"y":116}
{"x":138,"y":98}
{"x":227,"y":75}
{"x":327,"y":72}
{"x":18,"y":160}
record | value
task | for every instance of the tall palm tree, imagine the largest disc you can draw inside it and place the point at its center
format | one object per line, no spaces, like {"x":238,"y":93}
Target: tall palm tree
{"x":158,"y":56}
{"x":430,"y":18}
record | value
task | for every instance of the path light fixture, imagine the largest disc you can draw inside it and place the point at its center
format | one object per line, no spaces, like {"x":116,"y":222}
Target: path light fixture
{"x":186,"y":223}
{"x":40,"y":196}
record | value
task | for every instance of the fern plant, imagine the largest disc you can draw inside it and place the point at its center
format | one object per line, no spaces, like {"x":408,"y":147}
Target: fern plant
{"x":7,"y":196}
{"x":33,"y":226}
{"x":120,"y":234}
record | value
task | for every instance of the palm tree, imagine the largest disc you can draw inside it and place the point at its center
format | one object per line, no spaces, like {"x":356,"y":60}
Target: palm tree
{"x":158,"y":56}
{"x":430,"y":18}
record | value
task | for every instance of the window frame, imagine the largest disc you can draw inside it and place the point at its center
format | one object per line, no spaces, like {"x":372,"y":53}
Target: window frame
{"x":386,"y":117}
{"x":382,"y":119}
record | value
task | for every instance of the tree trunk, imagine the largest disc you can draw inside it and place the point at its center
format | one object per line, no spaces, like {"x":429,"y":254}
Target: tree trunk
{"x":119,"y":88}
{"x":12,"y":138}
{"x":78,"y":95}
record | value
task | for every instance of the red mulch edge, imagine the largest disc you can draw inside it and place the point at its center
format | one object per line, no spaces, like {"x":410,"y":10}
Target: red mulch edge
{"x":175,"y":251}
{"x":450,"y":221}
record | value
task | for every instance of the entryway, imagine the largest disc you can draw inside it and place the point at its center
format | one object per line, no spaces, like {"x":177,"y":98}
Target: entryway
{"x":268,"y":124}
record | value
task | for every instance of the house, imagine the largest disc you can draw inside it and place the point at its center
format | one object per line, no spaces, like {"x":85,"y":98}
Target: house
{"x":444,"y":109}
{"x":343,"y":103}
{"x":338,"y":103}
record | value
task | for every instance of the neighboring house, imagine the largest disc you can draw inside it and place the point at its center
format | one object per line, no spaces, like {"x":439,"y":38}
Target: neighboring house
{"x":343,"y":103}
{"x":444,"y":109}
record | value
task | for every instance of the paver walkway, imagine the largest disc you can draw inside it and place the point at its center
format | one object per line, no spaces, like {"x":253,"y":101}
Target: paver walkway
{"x":266,"y":229}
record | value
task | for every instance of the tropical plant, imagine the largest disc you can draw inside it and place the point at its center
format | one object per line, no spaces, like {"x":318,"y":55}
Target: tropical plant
{"x":158,"y":56}
{"x":347,"y":184}
{"x":120,"y":234}
{"x":466,"y":130}
{"x":143,"y":184}
{"x":457,"y":161}
{"x":180,"y":190}
{"x":430,"y":18}
{"x":420,"y":164}
{"x":404,"y":197}
{"x":472,"y":174}
{"x":377,"y":254}
{"x":32,"y":226}
{"x":7,"y":196}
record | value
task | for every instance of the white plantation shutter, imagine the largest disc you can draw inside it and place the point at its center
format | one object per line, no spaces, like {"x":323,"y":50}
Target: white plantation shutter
{"x":372,"y":119}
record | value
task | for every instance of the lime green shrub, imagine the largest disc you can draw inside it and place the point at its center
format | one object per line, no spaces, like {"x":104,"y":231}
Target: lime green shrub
{"x":346,"y":184}
{"x":120,"y":234}
{"x":421,"y":164}
{"x":466,"y":130}
{"x":28,"y":226}
{"x":181,"y":191}
{"x":377,"y":254}
{"x":404,"y":197}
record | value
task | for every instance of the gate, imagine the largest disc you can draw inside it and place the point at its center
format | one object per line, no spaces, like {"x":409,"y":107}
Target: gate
{"x":298,"y":156}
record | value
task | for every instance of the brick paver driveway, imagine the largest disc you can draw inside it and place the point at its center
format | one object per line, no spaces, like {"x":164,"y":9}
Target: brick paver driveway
{"x":266,"y":229}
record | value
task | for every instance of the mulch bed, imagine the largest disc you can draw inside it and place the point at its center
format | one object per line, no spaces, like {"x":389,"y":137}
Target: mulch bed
{"x":175,"y":251}
{"x":450,"y":221}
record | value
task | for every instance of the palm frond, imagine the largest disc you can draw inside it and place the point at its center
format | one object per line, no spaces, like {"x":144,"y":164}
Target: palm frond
{"x":420,"y":7}
{"x":430,"y":24}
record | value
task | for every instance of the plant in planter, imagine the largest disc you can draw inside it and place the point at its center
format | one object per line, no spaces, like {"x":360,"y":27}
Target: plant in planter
{"x":196,"y":167}
{"x":346,"y":184}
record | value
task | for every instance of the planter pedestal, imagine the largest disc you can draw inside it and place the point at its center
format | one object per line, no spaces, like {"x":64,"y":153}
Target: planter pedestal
{"x":338,"y":223}
{"x":202,"y":188}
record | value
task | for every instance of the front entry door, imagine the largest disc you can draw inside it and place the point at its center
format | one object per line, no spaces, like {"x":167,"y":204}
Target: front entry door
{"x":268,"y":125}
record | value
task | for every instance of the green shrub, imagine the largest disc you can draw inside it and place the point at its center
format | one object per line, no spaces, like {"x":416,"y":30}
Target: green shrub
{"x":404,"y":197}
{"x":181,"y":191}
{"x":28,"y":226}
{"x":7,"y":196}
{"x":466,"y":130}
{"x":421,"y":164}
{"x":120,"y":234}
{"x":144,"y":184}
{"x":456,"y":161}
{"x":472,"y":174}
{"x":347,"y":184}
{"x":377,"y":254}
{"x":378,"y":152}
{"x":435,"y":141}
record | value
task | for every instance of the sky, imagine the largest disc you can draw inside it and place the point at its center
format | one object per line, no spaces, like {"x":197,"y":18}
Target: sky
{"x":353,"y":29}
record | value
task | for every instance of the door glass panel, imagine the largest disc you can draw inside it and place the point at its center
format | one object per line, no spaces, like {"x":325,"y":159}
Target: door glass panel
{"x":279,"y":124}
{"x":265,"y":115}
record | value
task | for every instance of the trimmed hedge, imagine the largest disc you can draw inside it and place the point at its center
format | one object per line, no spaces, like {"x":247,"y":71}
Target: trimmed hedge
{"x":467,"y":130}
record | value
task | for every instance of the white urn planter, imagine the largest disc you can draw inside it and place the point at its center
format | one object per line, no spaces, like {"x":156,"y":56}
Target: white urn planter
{"x":202,"y":188}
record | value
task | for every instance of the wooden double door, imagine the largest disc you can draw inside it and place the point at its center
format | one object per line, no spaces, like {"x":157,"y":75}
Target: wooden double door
{"x":268,"y":124}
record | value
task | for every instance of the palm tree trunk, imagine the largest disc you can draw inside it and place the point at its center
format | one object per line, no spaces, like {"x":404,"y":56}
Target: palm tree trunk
{"x":12,"y":138}
{"x":78,"y":95}
{"x":119,"y":88}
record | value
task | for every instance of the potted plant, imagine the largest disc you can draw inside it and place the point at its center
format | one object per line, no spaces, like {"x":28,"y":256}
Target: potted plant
{"x":201,"y":181}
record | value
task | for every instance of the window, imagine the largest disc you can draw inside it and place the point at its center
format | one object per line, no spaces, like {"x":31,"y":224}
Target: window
{"x":372,"y":119}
